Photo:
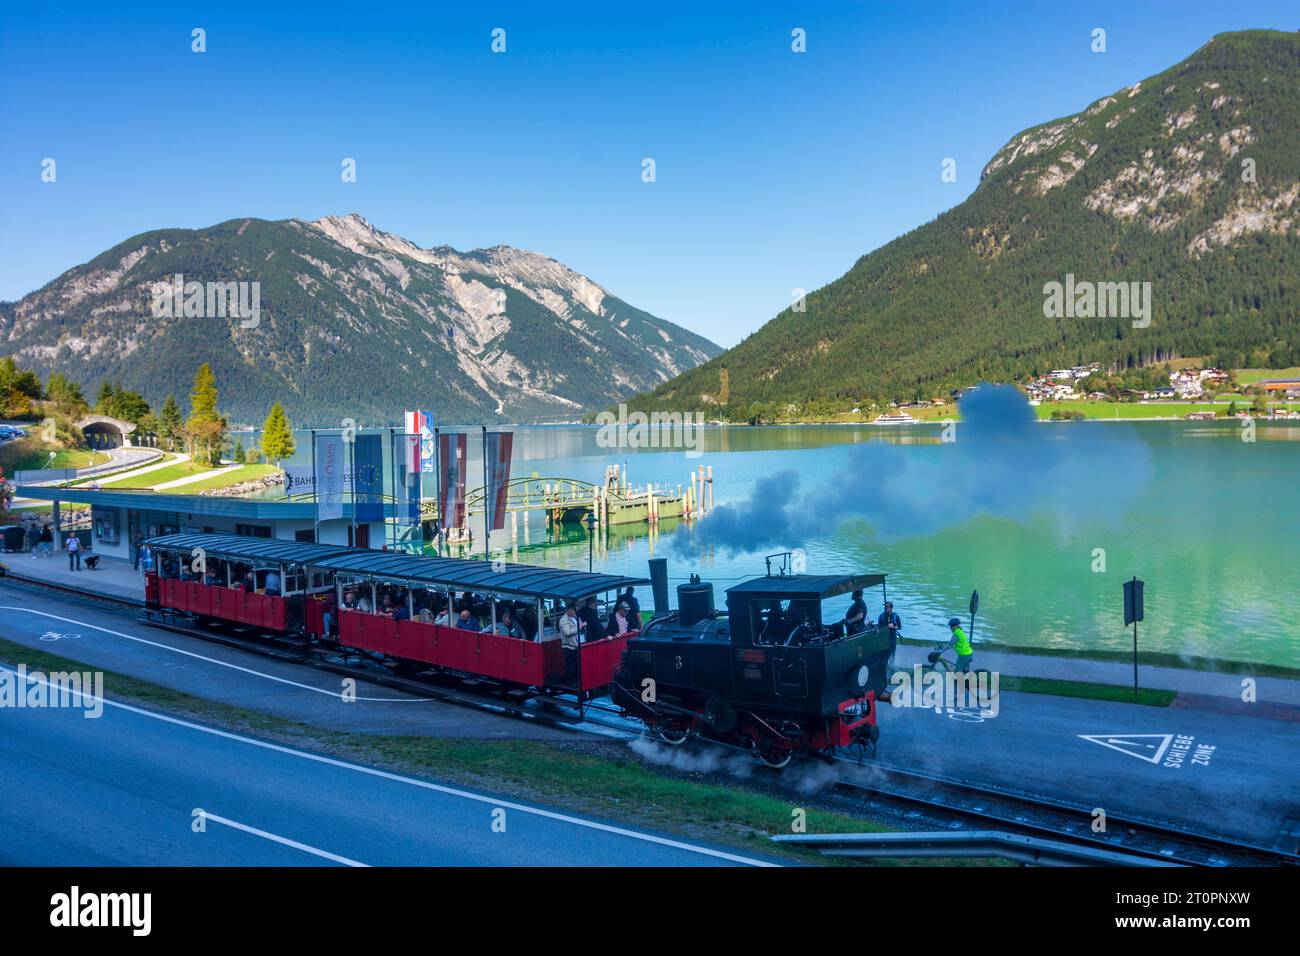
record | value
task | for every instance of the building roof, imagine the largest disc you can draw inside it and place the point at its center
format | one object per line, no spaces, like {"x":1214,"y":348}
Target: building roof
{"x":255,"y":508}
{"x":526,"y":580}
{"x":807,"y":585}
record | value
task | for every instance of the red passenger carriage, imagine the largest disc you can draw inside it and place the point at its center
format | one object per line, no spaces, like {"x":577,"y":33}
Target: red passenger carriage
{"x":314,"y":579}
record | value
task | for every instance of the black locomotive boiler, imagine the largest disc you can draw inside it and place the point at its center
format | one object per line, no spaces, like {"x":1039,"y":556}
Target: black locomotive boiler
{"x":769,"y":674}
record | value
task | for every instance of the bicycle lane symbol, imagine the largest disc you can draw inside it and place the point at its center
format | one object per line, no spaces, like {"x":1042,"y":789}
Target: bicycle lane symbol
{"x":58,"y":636}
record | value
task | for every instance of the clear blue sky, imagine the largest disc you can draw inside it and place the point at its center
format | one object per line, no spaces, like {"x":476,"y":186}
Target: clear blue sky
{"x":775,"y":169}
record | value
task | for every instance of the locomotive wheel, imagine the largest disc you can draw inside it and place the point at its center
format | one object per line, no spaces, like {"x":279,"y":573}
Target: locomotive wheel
{"x":671,"y":736}
{"x":720,"y":715}
{"x":771,"y":758}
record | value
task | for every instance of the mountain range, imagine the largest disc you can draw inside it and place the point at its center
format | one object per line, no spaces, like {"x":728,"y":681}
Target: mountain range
{"x":1188,"y":180}
{"x":351,"y":322}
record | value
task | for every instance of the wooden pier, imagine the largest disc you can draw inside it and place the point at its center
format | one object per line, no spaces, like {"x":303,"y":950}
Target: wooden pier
{"x":616,"y":502}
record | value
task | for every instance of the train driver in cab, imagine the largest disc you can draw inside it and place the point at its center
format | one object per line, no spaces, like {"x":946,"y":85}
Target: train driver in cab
{"x":855,"y":619}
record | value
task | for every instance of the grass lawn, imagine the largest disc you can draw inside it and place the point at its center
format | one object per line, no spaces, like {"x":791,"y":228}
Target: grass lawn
{"x":1086,"y":690}
{"x":590,"y":776}
{"x":182,"y":469}
{"x":1105,"y":410}
{"x":46,"y":507}
{"x":108,"y":480}
{"x":234,"y":477}
{"x":1249,"y":376}
{"x":31,"y":453}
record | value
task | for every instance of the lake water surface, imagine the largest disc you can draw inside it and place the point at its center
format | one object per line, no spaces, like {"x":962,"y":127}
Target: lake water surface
{"x":1211,"y":523}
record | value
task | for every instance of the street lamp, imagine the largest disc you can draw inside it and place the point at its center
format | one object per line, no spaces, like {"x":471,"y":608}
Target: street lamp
{"x":590,"y":521}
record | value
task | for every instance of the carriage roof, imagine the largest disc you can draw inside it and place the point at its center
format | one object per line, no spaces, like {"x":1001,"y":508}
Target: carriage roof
{"x":463,"y":574}
{"x":805,"y":585}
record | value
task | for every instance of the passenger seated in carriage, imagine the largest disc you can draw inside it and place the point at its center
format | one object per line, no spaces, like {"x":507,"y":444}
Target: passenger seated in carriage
{"x":506,"y":626}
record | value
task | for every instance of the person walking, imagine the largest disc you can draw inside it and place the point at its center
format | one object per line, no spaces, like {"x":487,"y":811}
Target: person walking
{"x":46,"y":543}
{"x":74,"y":553}
{"x":33,"y":539}
{"x":136,"y":541}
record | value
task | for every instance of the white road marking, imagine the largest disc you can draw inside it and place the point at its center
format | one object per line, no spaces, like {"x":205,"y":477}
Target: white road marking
{"x":422,"y":784}
{"x":275,"y":838}
{"x":1134,"y":744}
{"x":220,"y":663}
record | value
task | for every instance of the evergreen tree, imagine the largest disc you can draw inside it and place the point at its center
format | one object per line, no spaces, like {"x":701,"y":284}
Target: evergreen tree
{"x":63,"y":391}
{"x":104,"y":400}
{"x":206,"y":429}
{"x":239,"y":450}
{"x":277,"y":436}
{"x":170,"y":426}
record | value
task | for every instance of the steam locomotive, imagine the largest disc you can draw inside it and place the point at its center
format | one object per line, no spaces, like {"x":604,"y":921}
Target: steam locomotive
{"x":769,"y":675}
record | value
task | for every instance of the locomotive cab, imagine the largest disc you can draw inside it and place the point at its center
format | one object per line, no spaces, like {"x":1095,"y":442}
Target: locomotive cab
{"x":789,"y":652}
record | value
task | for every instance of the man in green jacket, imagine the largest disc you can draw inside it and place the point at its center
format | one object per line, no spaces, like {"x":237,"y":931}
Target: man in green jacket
{"x":961,"y":644}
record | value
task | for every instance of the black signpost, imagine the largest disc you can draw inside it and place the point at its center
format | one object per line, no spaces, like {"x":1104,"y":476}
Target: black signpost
{"x":974,"y":606}
{"x":590,"y":520}
{"x":1133,"y":614}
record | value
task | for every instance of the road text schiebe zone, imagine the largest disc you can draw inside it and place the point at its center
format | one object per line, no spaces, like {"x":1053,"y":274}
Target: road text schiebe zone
{"x":1184,"y":749}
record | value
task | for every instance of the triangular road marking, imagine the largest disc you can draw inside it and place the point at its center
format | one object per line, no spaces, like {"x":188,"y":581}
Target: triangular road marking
{"x":1142,"y":746}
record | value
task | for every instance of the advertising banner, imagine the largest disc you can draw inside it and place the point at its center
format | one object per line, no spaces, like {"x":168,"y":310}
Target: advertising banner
{"x":368,"y":478}
{"x":451,"y":454}
{"x":496,"y":452}
{"x":331,"y":466}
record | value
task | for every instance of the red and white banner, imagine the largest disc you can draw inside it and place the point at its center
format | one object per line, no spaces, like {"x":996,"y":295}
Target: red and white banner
{"x":496,"y":453}
{"x":420,"y":424}
{"x":451,"y":502}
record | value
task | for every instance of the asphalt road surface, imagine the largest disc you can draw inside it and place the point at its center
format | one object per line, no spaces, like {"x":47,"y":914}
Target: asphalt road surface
{"x":1220,"y":774}
{"x":1224,"y":774}
{"x":136,"y":788}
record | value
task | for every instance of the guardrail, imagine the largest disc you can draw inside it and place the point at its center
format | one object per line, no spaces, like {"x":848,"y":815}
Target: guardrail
{"x":967,"y":843}
{"x":47,"y":476}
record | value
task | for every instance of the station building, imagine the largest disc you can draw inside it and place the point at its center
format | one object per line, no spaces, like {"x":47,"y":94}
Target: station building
{"x":117,"y":517}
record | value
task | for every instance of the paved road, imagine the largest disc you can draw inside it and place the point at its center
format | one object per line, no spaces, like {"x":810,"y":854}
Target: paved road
{"x":117,"y":640}
{"x":118,"y":458}
{"x":1247,"y":787}
{"x":127,"y":788}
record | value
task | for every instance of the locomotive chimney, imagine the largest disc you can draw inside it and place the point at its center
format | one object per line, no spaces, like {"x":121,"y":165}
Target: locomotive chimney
{"x":694,"y":601}
{"x":659,"y":584}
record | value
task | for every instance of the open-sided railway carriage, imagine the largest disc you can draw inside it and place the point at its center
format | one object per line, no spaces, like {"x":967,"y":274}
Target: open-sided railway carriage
{"x":314,"y":578}
{"x":768,"y":675}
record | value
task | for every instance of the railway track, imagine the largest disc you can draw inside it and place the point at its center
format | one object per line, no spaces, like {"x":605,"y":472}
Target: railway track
{"x":916,"y":795}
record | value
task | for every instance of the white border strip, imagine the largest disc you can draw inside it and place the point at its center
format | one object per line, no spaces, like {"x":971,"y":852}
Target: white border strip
{"x":220,"y":663}
{"x":284,"y":841}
